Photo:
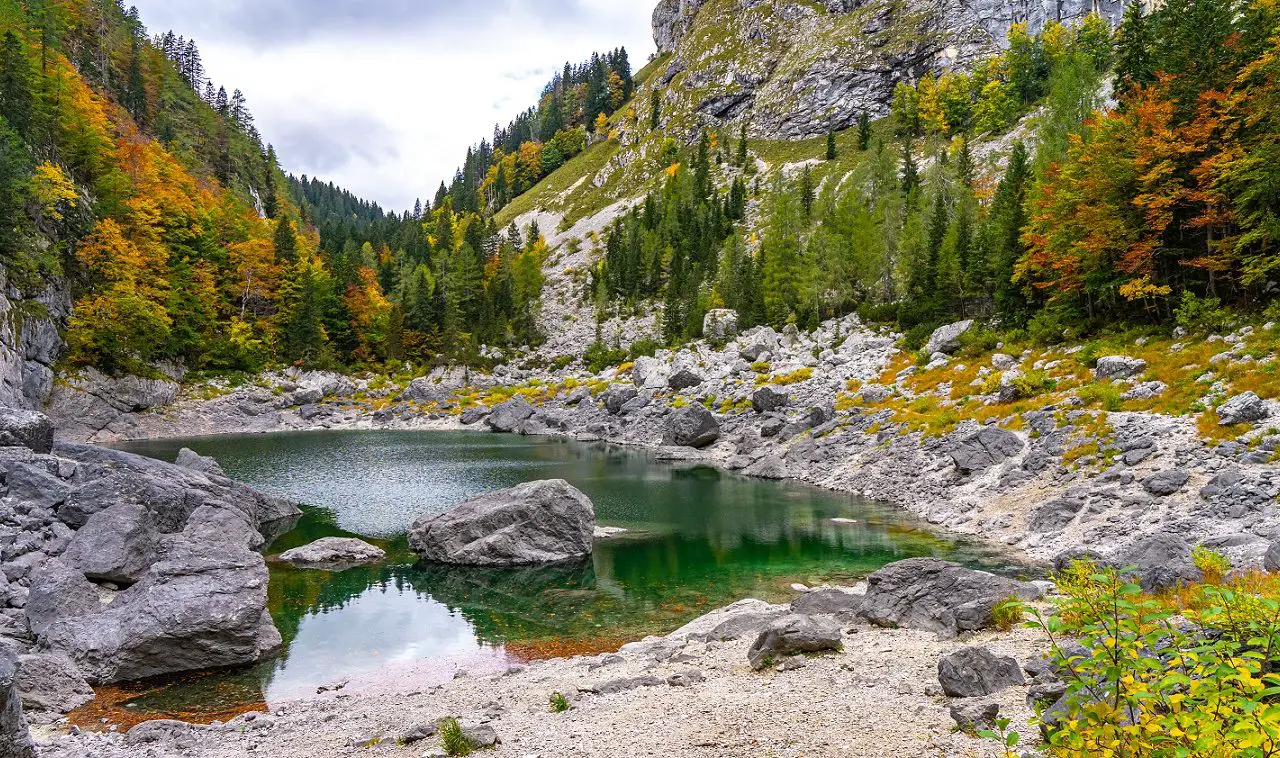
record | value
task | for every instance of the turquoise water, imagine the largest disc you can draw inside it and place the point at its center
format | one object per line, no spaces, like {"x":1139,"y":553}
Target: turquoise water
{"x":700,"y":539}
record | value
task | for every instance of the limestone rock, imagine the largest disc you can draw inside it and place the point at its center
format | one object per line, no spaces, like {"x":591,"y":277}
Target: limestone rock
{"x":792,"y":635}
{"x":975,"y":671}
{"x":937,"y":596}
{"x":1245,"y":408}
{"x":985,"y":448}
{"x":334,"y":554}
{"x":973,"y":716}
{"x":769,"y":399}
{"x":509,"y":416}
{"x":116,"y":545}
{"x":190,"y":459}
{"x":51,"y":683}
{"x":15,"y":740}
{"x":691,"y":426}
{"x":537,"y":522}
{"x":1119,"y":367}
{"x":826,"y":601}
{"x":19,"y":428}
{"x":203,"y":605}
{"x":1160,"y":561}
{"x":1165,"y":483}
{"x":684,"y":379}
{"x":59,"y":591}
{"x":946,"y":339}
{"x":720,"y":325}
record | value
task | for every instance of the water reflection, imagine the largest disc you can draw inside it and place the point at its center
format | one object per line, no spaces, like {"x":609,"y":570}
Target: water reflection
{"x":700,"y":539}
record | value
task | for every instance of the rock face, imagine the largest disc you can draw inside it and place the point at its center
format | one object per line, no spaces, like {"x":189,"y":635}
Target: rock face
{"x":691,"y":426}
{"x":203,"y":605}
{"x":334,"y":554}
{"x":537,"y":522}
{"x":51,"y":683}
{"x":792,"y":635}
{"x":946,"y":339}
{"x":89,"y":403}
{"x":975,"y":671}
{"x":196,"y":462}
{"x":941,"y":597}
{"x":15,"y":742}
{"x":1246,"y":408}
{"x":30,"y":340}
{"x":19,"y":428}
{"x":988,"y":447}
{"x":116,"y":545}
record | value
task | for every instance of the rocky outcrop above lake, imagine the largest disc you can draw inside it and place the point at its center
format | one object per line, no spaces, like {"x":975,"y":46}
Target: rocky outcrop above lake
{"x":533,"y":523}
{"x":118,"y":567}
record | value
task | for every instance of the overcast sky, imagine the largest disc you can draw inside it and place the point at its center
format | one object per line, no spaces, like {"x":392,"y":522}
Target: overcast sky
{"x":383,"y":97}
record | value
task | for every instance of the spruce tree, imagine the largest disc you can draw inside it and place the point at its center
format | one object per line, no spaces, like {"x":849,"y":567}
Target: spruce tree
{"x":910,"y":173}
{"x":270,"y":202}
{"x":807,"y":196}
{"x":864,"y":132}
{"x":1133,"y":63}
{"x":286,"y":242}
{"x":135,"y":95}
{"x":831,"y":146}
{"x":16,"y":103}
{"x":742,"y":156}
{"x":655,"y":110}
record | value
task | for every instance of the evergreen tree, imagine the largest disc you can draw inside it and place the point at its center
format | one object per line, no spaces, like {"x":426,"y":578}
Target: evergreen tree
{"x":864,"y":132}
{"x":655,"y":110}
{"x":285,"y":242}
{"x":831,"y":146}
{"x":308,"y":299}
{"x":807,"y":196}
{"x":135,"y":96}
{"x":270,"y":202}
{"x":742,"y":156}
{"x":16,"y":102}
{"x":1133,"y":63}
{"x":910,"y":173}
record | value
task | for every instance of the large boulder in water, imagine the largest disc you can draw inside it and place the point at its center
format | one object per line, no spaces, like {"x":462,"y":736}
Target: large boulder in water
{"x":202,"y":605}
{"x":537,"y":522}
{"x":692,"y":426}
{"x":334,"y":554}
{"x":15,"y":740}
{"x":937,"y":596}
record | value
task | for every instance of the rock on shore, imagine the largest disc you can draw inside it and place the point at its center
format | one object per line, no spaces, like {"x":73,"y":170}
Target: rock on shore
{"x":537,"y":522}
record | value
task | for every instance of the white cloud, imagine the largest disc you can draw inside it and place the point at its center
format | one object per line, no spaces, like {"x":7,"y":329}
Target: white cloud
{"x":387,"y":110}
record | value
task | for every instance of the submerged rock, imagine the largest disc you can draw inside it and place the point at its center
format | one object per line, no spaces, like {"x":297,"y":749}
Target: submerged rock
{"x":537,"y":522}
{"x":334,"y":554}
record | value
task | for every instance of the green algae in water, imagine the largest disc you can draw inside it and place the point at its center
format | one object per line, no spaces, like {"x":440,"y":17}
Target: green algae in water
{"x":700,"y":539}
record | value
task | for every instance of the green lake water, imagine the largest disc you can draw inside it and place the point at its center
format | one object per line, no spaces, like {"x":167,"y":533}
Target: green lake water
{"x":701,"y":539}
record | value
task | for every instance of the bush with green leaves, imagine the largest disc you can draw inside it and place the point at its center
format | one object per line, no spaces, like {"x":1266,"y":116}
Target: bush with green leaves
{"x":1201,"y":315}
{"x":559,"y":703}
{"x":1185,"y":675}
{"x":453,"y":740}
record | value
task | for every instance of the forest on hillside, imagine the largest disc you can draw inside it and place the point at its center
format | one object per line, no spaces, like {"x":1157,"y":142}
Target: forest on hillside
{"x":1143,"y":187}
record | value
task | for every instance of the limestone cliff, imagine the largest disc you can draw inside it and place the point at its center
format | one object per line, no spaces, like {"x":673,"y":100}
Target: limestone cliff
{"x":30,"y":340}
{"x":796,"y":68}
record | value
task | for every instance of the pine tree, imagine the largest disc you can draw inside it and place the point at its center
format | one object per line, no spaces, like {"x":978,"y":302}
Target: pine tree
{"x":285,"y":241}
{"x":135,"y":96}
{"x":1133,"y":64}
{"x":655,"y":110}
{"x":807,"y":196}
{"x":270,"y":202}
{"x":864,"y":132}
{"x":964,"y":162}
{"x":742,"y":155}
{"x":831,"y":146}
{"x":16,"y":102}
{"x":910,"y":173}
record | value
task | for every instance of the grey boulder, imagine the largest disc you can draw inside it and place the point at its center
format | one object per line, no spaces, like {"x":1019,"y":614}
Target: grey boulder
{"x":768,"y":400}
{"x":190,"y":459}
{"x":1119,"y":367}
{"x":974,"y":715}
{"x":30,"y":429}
{"x":1245,"y":408}
{"x":976,"y":671}
{"x":1165,"y":483}
{"x":826,"y":601}
{"x":1159,"y":561}
{"x":509,"y":416}
{"x":684,"y":379}
{"x":15,"y":740}
{"x":334,"y":554}
{"x":791,"y":635}
{"x":946,"y":339}
{"x":691,"y":426}
{"x":59,"y":591}
{"x":1271,"y":561}
{"x":985,"y":448}
{"x":116,"y":545}
{"x":937,"y":596}
{"x":537,"y":522}
{"x":617,"y":396}
{"x":202,"y":605}
{"x":51,"y":683}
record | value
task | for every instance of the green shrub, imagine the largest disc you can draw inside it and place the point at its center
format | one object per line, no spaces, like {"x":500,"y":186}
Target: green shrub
{"x":878,"y":314}
{"x":1107,"y":397}
{"x":978,"y":342}
{"x":599,"y":357}
{"x":1212,"y":564}
{"x":559,"y":703}
{"x":1201,"y":315}
{"x":452,"y":738}
{"x":644,"y":349}
{"x":1148,"y":677}
{"x":917,"y":336}
{"x":1047,"y":328}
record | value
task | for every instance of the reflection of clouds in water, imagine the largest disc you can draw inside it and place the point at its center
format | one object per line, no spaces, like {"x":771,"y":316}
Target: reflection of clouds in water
{"x":381,"y":628}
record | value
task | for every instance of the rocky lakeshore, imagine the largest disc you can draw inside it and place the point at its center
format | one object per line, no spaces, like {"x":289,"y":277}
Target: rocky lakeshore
{"x":835,"y":682}
{"x":842,"y":408}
